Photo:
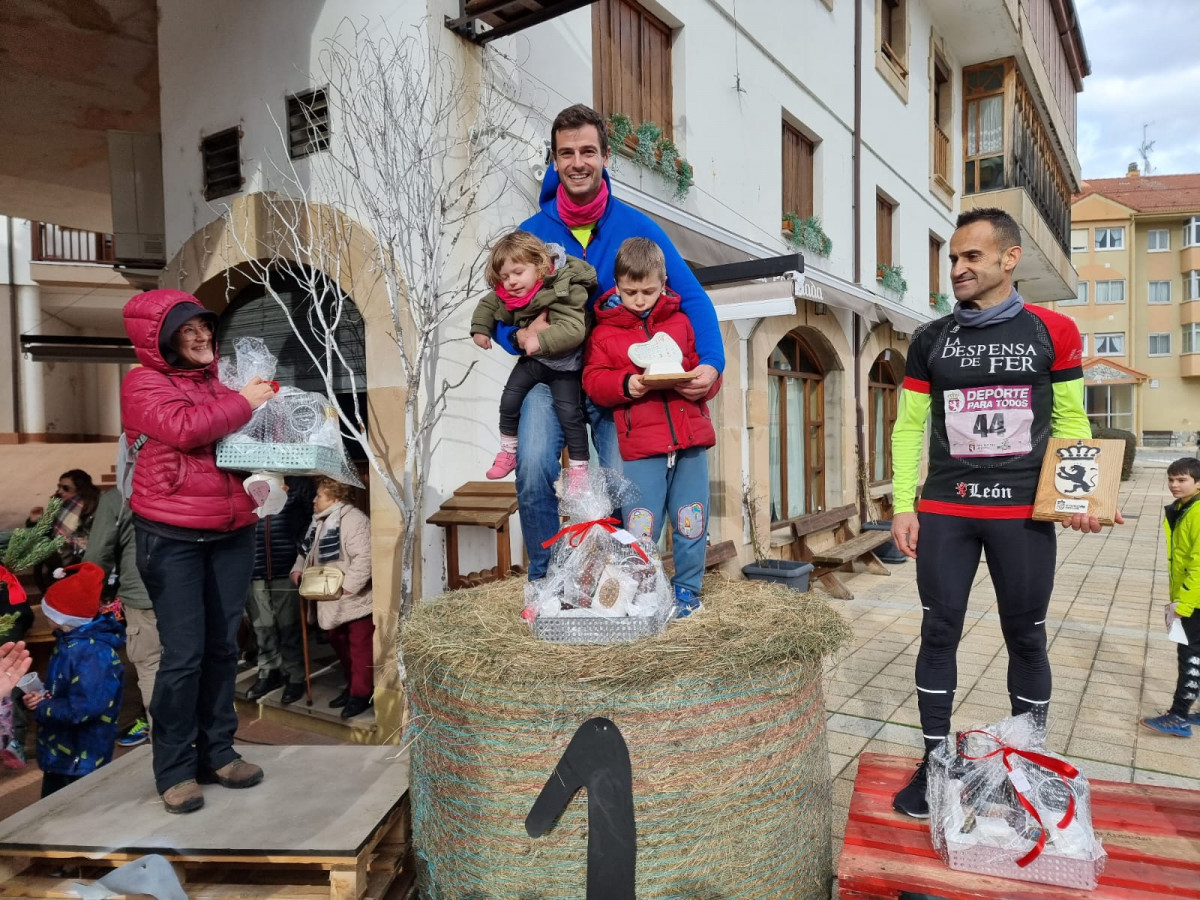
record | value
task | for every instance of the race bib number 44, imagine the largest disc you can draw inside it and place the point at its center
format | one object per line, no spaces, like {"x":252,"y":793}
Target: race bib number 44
{"x":989,"y":421}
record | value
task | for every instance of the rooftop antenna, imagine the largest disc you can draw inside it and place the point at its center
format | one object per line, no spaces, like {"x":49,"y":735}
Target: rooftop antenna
{"x":1145,"y":148}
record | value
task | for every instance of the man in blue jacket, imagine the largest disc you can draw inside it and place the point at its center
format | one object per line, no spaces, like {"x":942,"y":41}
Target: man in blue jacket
{"x":578,"y":212}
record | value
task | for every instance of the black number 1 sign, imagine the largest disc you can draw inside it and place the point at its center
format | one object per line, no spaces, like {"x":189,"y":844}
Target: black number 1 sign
{"x":596,"y":758}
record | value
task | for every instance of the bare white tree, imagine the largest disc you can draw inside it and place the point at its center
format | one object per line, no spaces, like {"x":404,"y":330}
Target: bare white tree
{"x":415,"y":152}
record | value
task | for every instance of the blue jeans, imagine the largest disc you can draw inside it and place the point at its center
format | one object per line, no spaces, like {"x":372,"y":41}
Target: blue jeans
{"x":539,"y":463}
{"x":680,"y":492}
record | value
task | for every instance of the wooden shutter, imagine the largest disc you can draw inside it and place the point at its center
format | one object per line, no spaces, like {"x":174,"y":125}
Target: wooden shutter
{"x":935,"y":265}
{"x":797,"y":172}
{"x":631,"y":52}
{"x":883,"y":232}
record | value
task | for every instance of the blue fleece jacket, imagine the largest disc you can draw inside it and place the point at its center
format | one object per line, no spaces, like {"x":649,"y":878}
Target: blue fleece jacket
{"x":77,"y":723}
{"x":621,"y":221}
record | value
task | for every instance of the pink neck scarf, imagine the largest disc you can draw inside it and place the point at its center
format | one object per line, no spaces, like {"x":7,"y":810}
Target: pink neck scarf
{"x":511,"y":302}
{"x":575,"y":215}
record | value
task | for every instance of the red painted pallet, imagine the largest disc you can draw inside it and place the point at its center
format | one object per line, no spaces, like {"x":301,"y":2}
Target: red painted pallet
{"x":1151,"y":834}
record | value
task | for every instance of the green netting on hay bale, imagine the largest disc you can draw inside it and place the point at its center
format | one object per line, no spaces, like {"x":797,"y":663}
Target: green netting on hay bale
{"x":724,"y":719}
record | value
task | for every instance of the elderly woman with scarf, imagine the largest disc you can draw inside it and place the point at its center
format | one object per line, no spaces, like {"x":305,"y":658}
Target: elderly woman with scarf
{"x":340,"y":536}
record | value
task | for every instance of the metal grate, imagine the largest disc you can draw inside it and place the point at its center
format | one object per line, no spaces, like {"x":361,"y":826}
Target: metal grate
{"x":308,"y":123}
{"x":222,"y":155}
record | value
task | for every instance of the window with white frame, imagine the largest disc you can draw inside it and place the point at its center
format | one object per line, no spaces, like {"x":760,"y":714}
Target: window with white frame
{"x":1191,"y":285}
{"x":1191,"y":339}
{"x":1191,"y":232}
{"x":1083,"y":338}
{"x":1079,"y":239}
{"x":1110,"y":238}
{"x":1158,"y":239}
{"x":1110,"y":291}
{"x":1160,"y":344}
{"x":1159,"y":292}
{"x":1110,"y":343}
{"x":1080,"y":299}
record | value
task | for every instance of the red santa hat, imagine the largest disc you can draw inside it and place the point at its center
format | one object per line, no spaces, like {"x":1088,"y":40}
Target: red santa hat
{"x":75,"y":598}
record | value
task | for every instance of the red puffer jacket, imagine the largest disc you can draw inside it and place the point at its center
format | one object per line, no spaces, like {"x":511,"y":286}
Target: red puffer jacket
{"x":183,"y":412}
{"x":661,"y":420}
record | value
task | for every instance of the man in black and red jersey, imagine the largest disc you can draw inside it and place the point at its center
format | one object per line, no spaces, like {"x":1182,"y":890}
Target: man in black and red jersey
{"x":994,"y":380}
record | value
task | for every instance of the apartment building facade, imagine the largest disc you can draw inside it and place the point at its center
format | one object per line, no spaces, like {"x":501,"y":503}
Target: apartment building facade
{"x":1136,"y":244}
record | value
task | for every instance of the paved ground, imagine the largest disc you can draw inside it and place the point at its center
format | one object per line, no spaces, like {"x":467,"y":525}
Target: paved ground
{"x":1112,"y":661}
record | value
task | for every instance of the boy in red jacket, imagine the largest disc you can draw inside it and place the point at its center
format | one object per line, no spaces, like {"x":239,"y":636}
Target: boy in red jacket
{"x":662,"y":436}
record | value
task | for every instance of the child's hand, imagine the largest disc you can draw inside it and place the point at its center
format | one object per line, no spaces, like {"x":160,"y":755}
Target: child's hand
{"x":31,"y":701}
{"x":637,"y":387}
{"x":482,"y":341}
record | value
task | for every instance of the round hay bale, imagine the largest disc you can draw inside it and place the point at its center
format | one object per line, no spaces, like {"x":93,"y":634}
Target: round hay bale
{"x":724,"y":717}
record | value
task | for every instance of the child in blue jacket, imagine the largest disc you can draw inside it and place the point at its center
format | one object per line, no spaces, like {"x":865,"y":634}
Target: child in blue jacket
{"x":77,"y":711}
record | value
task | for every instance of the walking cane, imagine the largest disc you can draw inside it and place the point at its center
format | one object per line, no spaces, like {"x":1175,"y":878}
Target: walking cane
{"x":304,"y":640}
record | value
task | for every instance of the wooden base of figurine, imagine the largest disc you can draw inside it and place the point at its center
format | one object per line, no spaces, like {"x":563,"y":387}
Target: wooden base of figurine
{"x":668,"y":379}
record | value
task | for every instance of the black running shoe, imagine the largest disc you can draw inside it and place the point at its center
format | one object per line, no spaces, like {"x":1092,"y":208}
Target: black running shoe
{"x":912,"y":799}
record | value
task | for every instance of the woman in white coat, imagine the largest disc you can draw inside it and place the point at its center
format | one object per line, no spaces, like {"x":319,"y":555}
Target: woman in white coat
{"x":340,"y":536}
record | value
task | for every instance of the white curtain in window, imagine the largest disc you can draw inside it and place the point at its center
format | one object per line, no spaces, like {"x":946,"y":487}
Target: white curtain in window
{"x":796,"y":500}
{"x":877,"y":414}
{"x":777,"y":511}
{"x":985,"y":126}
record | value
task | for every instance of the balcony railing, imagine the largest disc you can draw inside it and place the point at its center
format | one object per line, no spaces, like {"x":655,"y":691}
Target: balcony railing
{"x":941,"y":153}
{"x":53,"y":243}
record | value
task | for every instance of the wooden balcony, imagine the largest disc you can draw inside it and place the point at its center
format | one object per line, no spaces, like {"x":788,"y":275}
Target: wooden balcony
{"x":941,"y":156}
{"x":53,"y":243}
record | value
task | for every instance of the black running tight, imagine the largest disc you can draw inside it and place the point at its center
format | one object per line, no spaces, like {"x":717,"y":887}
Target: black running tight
{"x":1020,"y":556}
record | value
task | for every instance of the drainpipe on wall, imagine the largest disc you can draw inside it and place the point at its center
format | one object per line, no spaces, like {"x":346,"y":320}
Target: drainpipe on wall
{"x":859,"y":417}
{"x":14,"y":324}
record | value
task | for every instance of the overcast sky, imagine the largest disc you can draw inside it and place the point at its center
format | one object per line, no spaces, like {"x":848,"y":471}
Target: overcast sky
{"x":1145,"y":70}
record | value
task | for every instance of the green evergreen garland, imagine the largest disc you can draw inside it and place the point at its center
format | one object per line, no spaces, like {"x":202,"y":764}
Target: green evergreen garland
{"x":29,"y":546}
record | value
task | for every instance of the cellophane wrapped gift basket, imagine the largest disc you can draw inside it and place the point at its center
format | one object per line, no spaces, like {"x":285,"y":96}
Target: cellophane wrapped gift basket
{"x":1001,"y":804}
{"x":603,"y":585}
{"x":294,"y":433}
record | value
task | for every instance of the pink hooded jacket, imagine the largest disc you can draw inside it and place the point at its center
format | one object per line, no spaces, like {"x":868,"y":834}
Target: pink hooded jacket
{"x":183,"y":412}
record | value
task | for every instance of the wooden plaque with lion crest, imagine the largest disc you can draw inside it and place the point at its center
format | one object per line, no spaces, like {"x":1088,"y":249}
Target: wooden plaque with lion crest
{"x":1079,"y":476}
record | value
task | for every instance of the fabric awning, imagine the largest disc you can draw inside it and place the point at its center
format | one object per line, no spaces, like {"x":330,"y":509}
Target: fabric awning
{"x":755,"y":300}
{"x":821,"y":287}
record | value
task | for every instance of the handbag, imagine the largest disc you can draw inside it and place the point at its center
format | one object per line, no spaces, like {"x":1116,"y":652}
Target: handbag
{"x":321,"y":583}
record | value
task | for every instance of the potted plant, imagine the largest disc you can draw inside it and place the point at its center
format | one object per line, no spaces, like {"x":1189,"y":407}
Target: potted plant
{"x":792,"y":572}
{"x":807,"y":233}
{"x":649,"y":148}
{"x":940,"y":303}
{"x":892,"y":278}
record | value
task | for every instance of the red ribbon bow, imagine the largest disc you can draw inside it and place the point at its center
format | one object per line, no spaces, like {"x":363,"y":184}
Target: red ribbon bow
{"x":1059,"y":767}
{"x":575,"y":534}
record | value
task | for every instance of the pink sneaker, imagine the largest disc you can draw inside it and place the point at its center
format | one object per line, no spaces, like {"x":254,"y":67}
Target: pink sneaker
{"x":577,"y":479}
{"x":505,"y":462}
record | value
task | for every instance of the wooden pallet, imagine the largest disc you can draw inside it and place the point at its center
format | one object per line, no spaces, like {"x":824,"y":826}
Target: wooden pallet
{"x":1151,"y":834}
{"x":327,"y":822}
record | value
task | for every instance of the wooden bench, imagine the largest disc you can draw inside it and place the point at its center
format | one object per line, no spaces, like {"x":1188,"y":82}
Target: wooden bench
{"x":481,"y":504}
{"x":849,"y":549}
{"x":1151,"y":835}
{"x":713,"y":557}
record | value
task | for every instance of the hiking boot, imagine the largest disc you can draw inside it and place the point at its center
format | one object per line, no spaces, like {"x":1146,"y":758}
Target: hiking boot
{"x":184,"y":797}
{"x":292,"y":691}
{"x":1169,"y":723}
{"x":356,"y":706}
{"x":340,"y":700}
{"x":138,"y":733}
{"x":13,"y":755}
{"x":912,"y":799}
{"x":504,"y":463}
{"x":237,"y":774}
{"x":267,"y":682}
{"x":686,"y":602}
